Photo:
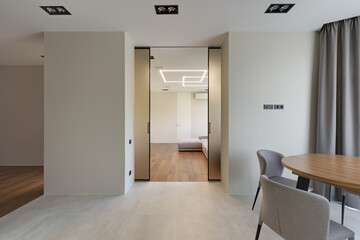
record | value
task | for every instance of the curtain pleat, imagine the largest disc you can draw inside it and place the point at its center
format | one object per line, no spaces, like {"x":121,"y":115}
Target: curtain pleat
{"x":338,"y":129}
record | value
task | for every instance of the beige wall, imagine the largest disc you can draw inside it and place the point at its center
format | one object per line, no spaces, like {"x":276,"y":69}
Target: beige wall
{"x":21,"y":115}
{"x":276,"y":68}
{"x":85,"y":121}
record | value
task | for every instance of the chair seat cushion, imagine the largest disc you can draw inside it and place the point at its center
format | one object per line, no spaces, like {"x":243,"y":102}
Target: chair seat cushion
{"x":339,"y":232}
{"x":285,"y":181}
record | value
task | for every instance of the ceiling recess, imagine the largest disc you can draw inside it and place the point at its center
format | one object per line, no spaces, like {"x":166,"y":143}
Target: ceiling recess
{"x":279,"y":8}
{"x":56,"y":10}
{"x":166,"y":9}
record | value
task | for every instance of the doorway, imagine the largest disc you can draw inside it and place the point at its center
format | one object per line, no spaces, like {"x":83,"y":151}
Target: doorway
{"x":177,"y":118}
{"x":179,"y":114}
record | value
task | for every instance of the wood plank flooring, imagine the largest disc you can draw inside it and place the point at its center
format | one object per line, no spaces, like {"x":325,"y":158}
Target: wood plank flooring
{"x":167,"y":164}
{"x":18,"y":186}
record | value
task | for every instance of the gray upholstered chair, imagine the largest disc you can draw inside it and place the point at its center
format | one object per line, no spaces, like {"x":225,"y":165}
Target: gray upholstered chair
{"x":270,"y":165}
{"x":296,"y":214}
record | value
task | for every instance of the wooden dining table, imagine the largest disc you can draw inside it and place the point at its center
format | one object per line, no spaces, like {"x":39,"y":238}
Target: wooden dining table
{"x":337,"y":170}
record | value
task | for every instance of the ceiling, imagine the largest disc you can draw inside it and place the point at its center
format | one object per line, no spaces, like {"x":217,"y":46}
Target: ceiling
{"x":190,"y":64}
{"x":199,"y":23}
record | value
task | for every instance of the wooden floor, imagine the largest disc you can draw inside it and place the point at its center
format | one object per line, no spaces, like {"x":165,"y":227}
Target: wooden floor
{"x":170,"y":165}
{"x":18,"y":186}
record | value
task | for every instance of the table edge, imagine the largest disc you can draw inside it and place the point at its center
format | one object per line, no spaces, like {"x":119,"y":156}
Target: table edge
{"x":319,"y":178}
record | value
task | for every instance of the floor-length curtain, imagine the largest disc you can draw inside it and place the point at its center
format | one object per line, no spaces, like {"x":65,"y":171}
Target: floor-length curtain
{"x":338,"y":129}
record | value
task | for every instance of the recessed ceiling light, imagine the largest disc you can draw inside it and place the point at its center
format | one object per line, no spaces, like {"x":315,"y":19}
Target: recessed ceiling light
{"x":166,"y":9}
{"x":56,"y":10}
{"x":193,"y":85}
{"x":177,"y":71}
{"x":279,"y":8}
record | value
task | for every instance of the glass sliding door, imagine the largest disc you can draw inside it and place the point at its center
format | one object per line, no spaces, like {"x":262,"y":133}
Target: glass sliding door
{"x":214,"y":114}
{"x":142,"y":113}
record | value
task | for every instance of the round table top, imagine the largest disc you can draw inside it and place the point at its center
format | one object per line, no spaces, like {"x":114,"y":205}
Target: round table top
{"x":337,"y":170}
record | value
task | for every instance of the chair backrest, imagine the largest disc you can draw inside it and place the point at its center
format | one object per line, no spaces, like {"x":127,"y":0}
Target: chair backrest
{"x":292,"y":213}
{"x":270,"y":163}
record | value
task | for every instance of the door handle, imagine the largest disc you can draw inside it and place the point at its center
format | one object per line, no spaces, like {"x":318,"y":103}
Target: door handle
{"x":209,"y":127}
{"x":148,"y":128}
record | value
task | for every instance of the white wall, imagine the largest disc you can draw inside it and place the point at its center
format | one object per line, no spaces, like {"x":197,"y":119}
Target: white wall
{"x":176,"y":115}
{"x":21,"y":115}
{"x":183,"y":115}
{"x":275,"y":68}
{"x":199,"y":117}
{"x":129,"y":112}
{"x":85,"y":121}
{"x":163,"y":120}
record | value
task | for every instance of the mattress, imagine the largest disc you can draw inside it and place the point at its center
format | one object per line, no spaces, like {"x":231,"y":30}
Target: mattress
{"x":187,"y":145}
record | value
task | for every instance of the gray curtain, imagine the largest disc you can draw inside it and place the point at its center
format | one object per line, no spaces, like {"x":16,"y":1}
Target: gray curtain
{"x":338,"y":129}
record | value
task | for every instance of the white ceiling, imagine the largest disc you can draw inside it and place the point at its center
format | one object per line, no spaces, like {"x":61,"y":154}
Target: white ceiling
{"x":199,"y":23}
{"x":181,"y":62}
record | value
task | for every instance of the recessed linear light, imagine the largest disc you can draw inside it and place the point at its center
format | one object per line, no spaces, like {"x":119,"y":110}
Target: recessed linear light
{"x":279,"y":8}
{"x":191,"y":77}
{"x":200,"y":85}
{"x":166,"y":9}
{"x":56,"y":10}
{"x":163,"y":71}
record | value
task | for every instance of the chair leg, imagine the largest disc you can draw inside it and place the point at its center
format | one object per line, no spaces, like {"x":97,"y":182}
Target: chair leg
{"x":342,"y":208}
{"x":258,"y":231}
{"x":257,"y":193}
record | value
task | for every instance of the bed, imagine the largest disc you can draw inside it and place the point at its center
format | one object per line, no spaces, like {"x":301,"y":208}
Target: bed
{"x":190,"y":145}
{"x":194,"y":145}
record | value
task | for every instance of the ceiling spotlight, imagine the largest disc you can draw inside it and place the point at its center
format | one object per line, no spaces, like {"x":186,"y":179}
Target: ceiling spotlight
{"x":50,"y":10}
{"x":56,"y":10}
{"x":60,"y":10}
{"x":284,"y":8}
{"x":161,"y":10}
{"x":279,"y":8}
{"x":274,"y":8}
{"x":166,"y":9}
{"x":171,"y":9}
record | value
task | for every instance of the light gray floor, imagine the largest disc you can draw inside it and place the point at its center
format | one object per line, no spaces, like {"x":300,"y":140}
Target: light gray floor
{"x":151,"y":210}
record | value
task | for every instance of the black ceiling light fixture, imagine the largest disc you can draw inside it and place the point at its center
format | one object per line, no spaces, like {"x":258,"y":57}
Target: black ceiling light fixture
{"x":56,"y":10}
{"x":166,"y":9}
{"x":279,"y":7}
